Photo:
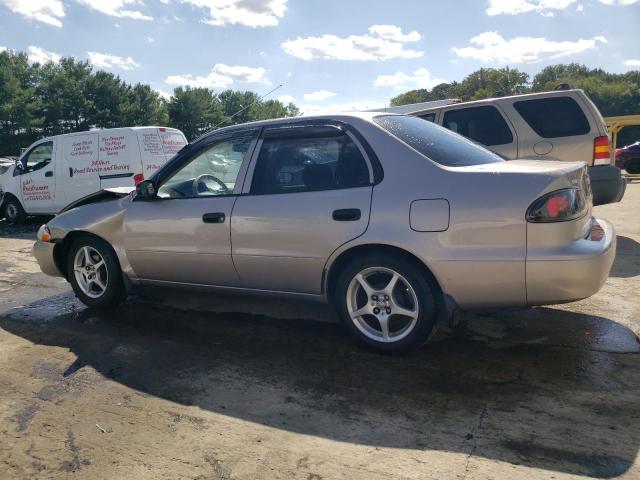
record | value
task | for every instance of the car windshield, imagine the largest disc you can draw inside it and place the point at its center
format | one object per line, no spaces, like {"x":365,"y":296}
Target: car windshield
{"x":436,"y":143}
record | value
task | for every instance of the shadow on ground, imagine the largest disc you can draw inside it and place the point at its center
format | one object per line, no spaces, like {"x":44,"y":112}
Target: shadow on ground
{"x":627,"y":261}
{"x":544,"y":388}
{"x":25,"y":230}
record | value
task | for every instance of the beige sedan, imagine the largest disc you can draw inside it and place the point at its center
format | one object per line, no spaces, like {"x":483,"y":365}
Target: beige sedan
{"x":396,"y":220}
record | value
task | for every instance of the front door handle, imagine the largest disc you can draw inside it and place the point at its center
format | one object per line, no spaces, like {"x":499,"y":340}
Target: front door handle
{"x":70,"y":172}
{"x":48,"y":174}
{"x":217,"y":217}
{"x":347,"y":214}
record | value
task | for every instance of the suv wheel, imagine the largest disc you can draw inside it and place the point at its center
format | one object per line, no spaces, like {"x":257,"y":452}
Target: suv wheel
{"x":386,"y":303}
{"x":94,"y":273}
{"x":13,"y":211}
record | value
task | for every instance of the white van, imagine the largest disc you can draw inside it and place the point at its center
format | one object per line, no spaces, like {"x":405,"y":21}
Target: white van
{"x":56,"y":171}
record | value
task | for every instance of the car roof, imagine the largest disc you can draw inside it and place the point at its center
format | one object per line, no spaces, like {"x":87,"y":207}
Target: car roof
{"x":335,"y":117}
{"x":484,"y":101}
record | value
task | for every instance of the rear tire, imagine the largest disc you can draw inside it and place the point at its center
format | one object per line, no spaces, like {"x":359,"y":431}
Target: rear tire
{"x":632,"y":166}
{"x":94,"y":273}
{"x":13,"y":211}
{"x":386,"y":303}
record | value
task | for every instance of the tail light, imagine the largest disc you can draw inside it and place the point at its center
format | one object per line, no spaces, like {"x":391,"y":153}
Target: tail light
{"x":137,"y":178}
{"x":558,"y":206}
{"x":601,"y":150}
{"x":617,"y":152}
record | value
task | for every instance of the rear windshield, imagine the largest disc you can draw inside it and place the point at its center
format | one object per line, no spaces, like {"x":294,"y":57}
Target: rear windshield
{"x":436,"y":143}
{"x":554,"y":117}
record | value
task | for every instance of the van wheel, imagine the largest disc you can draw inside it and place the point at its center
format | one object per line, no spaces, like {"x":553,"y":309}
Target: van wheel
{"x":13,"y":211}
{"x":633,"y":166}
{"x":94,"y":273}
{"x":386,"y":303}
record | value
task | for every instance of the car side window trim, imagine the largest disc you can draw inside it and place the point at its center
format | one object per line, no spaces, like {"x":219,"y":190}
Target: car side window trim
{"x":193,"y":149}
{"x":246,"y":188}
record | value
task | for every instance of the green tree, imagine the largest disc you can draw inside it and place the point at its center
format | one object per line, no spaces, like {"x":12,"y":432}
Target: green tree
{"x":194,"y":111}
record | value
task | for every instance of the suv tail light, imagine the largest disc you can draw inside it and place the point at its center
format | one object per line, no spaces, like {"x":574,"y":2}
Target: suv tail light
{"x":137,"y":178}
{"x":601,"y":150}
{"x":559,"y":206}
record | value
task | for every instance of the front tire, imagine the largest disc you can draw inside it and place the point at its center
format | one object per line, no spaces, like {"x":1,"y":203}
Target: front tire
{"x":94,"y":273}
{"x":13,"y":211}
{"x":386,"y":303}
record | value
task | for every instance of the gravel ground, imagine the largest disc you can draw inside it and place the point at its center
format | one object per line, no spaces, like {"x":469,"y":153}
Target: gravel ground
{"x":231,"y":387}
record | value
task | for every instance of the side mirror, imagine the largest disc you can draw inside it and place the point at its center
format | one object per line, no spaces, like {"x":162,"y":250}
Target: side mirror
{"x":146,"y":190}
{"x":18,"y":168}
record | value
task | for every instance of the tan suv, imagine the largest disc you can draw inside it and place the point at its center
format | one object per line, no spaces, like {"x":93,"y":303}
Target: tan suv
{"x":562,"y":125}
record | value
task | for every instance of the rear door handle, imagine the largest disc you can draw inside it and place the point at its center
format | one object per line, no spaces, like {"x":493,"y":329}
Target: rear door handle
{"x":48,"y":174}
{"x":347,"y":214}
{"x":217,"y":217}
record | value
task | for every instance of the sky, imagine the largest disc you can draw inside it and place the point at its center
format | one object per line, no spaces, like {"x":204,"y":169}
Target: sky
{"x":326,"y":54}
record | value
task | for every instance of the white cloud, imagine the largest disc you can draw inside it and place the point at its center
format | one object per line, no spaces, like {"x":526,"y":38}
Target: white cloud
{"x":492,"y":47}
{"x":149,"y":40}
{"x":420,"y":78}
{"x":40,"y":55}
{"x":543,"y":7}
{"x":286,"y":99}
{"x":116,"y":8}
{"x":619,"y":2}
{"x":383,"y":42}
{"x":251,"y":13}
{"x":2,"y":48}
{"x":45,"y":11}
{"x":163,"y":94}
{"x":106,"y":60}
{"x":391,"y":32}
{"x":318,"y":95}
{"x":514,"y":7}
{"x":315,"y":109}
{"x":221,"y":76}
{"x":632,"y":62}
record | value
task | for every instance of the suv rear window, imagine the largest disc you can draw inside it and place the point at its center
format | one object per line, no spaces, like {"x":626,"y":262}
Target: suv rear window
{"x":554,"y":117}
{"x":484,"y":124}
{"x":436,"y":143}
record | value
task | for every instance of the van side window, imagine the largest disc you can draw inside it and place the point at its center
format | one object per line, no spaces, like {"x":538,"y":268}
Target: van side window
{"x":483,"y":124}
{"x":37,"y":158}
{"x":311,"y":163}
{"x":554,"y":117}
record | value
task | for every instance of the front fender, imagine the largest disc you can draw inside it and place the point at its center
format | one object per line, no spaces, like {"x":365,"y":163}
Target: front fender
{"x":103,"y":219}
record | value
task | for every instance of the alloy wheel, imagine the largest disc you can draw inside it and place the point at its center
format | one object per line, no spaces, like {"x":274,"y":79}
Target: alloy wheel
{"x":382,"y":304}
{"x":90,"y":272}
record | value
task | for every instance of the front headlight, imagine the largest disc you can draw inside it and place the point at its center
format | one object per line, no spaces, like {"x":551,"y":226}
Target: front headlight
{"x":44,"y":234}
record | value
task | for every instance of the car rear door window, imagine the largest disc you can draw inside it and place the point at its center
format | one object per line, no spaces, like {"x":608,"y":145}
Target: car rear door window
{"x":301,"y":163}
{"x":483,"y":124}
{"x":554,"y":117}
{"x":436,"y":143}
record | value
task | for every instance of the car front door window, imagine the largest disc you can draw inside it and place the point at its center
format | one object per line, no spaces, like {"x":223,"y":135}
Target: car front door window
{"x":212,"y":172}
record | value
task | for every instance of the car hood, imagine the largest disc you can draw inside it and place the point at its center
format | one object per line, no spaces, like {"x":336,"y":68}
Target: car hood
{"x":100,"y":196}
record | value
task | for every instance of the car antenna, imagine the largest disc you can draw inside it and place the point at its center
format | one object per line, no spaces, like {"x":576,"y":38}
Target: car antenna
{"x":244,"y":108}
